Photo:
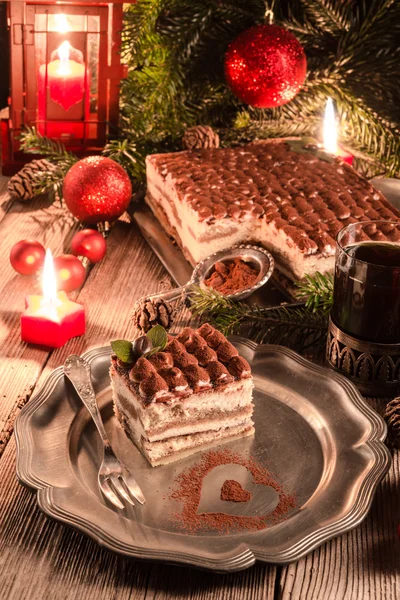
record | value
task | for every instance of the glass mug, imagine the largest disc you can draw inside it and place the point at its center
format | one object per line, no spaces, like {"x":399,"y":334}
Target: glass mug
{"x":364,"y":327}
{"x":366,"y":298}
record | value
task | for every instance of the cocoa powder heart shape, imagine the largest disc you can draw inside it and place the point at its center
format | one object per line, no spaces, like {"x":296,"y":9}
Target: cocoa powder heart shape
{"x":264,"y":499}
{"x":198,"y":489}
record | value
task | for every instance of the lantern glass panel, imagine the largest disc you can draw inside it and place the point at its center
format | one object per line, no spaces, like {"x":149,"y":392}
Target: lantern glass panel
{"x":67,"y":64}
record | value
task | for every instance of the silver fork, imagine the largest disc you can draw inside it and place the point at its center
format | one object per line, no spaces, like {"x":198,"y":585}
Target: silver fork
{"x":115,"y":481}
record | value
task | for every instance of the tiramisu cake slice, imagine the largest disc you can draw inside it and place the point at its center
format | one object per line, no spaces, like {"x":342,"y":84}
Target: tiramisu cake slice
{"x":293,"y":203}
{"x":195,"y":393}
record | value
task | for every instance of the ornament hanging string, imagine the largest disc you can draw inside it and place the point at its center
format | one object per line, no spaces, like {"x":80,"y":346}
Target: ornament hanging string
{"x":269,"y":13}
{"x":269,"y":17}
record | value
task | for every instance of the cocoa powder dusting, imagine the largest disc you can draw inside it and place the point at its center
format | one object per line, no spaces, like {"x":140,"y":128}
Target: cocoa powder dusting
{"x":188,"y":485}
{"x":232,"y":491}
{"x":232,"y":276}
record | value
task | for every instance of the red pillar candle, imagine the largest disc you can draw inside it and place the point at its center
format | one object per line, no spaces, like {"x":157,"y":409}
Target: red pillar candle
{"x":61,"y":81}
{"x":65,"y":78}
{"x":51,"y":319}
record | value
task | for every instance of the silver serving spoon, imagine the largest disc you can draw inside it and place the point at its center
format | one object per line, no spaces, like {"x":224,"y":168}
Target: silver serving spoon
{"x":256,"y":256}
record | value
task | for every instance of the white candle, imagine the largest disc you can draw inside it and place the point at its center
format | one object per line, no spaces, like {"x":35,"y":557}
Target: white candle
{"x":330,"y":130}
{"x":331,"y":134}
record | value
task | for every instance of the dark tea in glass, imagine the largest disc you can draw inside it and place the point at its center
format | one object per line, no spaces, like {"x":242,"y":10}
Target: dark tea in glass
{"x":366,"y":302}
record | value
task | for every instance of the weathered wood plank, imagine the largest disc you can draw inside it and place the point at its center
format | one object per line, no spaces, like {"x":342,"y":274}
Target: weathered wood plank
{"x":5,"y":200}
{"x":363,"y":564}
{"x":257,"y":583}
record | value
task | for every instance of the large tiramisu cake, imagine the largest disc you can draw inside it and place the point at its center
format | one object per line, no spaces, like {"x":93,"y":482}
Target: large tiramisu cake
{"x":292,"y":203}
{"x":195,"y":393}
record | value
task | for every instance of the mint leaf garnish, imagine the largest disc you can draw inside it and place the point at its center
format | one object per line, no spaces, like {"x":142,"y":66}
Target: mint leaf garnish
{"x":153,"y":351}
{"x":158,"y":337}
{"x":146,"y":345}
{"x":123,"y":350}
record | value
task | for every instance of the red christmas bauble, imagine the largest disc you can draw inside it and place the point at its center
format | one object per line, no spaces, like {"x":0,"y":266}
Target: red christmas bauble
{"x":265,"y":66}
{"x":27,"y":256}
{"x":97,"y":189}
{"x":89,"y":243}
{"x":70,"y":272}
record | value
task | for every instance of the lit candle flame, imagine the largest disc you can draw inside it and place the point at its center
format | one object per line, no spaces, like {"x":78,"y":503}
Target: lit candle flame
{"x":63,"y":53}
{"x":61,"y":23}
{"x":49,"y":280}
{"x":330,"y":129}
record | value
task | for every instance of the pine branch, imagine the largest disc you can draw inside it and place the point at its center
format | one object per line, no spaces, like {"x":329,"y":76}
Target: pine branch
{"x":33,"y":142}
{"x":175,"y":50}
{"x":49,"y":180}
{"x":317,"y":291}
{"x":126,"y":154}
{"x":328,"y":16}
{"x":361,"y":127}
{"x":140,"y":25}
{"x":298,"y":328}
{"x":122,"y":151}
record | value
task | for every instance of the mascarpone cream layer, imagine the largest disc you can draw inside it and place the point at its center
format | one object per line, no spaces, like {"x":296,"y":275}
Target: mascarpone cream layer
{"x":161,"y":452}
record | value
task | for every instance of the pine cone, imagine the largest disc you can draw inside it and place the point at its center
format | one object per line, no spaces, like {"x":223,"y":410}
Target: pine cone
{"x":22,"y":185}
{"x":392,"y":418}
{"x":148,"y":313}
{"x":200,"y":136}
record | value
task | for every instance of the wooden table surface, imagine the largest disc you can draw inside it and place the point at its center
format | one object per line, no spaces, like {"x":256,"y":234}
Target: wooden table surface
{"x":40,"y":558}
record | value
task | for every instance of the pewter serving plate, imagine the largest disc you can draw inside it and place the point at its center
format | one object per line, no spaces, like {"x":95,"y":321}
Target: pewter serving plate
{"x":314,"y":432}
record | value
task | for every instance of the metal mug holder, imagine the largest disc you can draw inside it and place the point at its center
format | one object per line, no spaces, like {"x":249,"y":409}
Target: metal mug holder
{"x":373,"y":368}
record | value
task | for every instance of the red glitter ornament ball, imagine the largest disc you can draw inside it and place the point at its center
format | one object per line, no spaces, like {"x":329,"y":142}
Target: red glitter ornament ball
{"x":70,"y":272}
{"x":265,"y":66}
{"x":97,"y":189}
{"x":27,"y":256}
{"x":89,"y":243}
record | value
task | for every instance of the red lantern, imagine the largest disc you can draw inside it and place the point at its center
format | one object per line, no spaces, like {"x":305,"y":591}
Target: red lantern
{"x":65,"y":74}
